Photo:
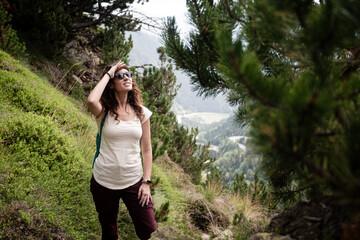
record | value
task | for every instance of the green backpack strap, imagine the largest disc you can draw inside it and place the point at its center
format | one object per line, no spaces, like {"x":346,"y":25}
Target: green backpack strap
{"x":98,"y":139}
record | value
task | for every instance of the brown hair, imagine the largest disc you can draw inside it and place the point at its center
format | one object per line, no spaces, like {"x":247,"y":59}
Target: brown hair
{"x":110,"y":103}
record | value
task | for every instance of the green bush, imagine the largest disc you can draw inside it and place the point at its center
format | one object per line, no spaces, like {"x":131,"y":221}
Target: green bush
{"x":161,"y":215}
{"x":243,"y":228}
{"x":36,"y":141}
{"x":8,"y":38}
{"x":44,"y":167}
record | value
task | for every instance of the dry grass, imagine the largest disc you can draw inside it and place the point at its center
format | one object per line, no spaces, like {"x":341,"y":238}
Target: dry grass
{"x":212,"y":191}
{"x":253,"y":211}
{"x":213,"y":205}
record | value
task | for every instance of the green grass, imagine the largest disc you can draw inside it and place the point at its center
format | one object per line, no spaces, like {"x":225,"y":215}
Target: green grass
{"x":172,"y":188}
{"x":46,"y":151}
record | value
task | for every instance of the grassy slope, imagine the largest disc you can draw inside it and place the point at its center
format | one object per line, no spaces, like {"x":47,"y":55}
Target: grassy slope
{"x":47,"y":145}
{"x":45,"y":161}
{"x":45,"y":164}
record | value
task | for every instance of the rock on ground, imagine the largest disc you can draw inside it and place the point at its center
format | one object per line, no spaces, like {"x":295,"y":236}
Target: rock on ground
{"x":269,"y":236}
{"x":168,"y":233}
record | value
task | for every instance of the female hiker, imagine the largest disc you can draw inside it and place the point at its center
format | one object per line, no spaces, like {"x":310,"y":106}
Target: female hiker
{"x":118,"y":172}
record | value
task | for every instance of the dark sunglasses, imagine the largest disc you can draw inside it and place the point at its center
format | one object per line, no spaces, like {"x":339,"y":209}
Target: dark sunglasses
{"x":120,"y":75}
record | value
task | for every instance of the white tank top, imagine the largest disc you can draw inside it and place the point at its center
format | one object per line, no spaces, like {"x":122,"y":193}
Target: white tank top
{"x":118,"y":165}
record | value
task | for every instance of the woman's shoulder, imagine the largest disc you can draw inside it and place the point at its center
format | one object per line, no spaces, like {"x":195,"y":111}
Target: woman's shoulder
{"x":146,"y":113}
{"x":100,"y":117}
{"x":144,"y":108}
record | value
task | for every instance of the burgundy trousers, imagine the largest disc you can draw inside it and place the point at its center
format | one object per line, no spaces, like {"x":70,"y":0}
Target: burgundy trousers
{"x":107,"y":205}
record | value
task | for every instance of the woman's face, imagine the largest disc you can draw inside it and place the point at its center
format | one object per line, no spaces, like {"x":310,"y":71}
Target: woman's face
{"x":123,"y":81}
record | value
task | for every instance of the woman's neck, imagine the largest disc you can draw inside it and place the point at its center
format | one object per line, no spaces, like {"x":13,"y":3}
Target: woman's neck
{"x":122,"y":99}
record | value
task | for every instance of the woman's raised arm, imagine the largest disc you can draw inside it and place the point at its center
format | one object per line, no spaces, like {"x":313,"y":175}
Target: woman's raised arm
{"x":93,"y":100}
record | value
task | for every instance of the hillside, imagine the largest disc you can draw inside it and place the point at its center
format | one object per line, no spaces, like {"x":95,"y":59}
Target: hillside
{"x":45,"y":159}
{"x":46,"y":153}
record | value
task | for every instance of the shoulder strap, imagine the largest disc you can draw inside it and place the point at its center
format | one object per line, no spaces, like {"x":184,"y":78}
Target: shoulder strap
{"x":98,"y":139}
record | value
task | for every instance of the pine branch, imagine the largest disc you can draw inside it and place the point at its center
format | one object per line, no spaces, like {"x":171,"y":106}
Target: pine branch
{"x":231,"y":15}
{"x":143,"y":66}
{"x":315,"y":169}
{"x":106,"y":14}
{"x":354,"y":64}
{"x":245,"y":82}
{"x":292,"y":191}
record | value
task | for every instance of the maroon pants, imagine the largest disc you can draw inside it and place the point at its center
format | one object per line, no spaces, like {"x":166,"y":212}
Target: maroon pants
{"x":107,"y":205}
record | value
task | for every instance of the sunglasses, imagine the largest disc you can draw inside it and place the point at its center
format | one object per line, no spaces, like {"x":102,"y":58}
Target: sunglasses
{"x":120,"y":75}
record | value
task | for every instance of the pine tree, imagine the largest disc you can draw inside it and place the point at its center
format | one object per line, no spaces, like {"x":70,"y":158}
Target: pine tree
{"x":115,"y":45}
{"x":292,"y":69}
{"x":192,"y":158}
{"x":239,"y":185}
{"x":214,"y":176}
{"x":51,"y":23}
{"x":159,"y":90}
{"x":9,"y":40}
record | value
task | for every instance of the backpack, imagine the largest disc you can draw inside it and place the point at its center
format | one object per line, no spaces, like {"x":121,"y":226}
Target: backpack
{"x":98,"y":139}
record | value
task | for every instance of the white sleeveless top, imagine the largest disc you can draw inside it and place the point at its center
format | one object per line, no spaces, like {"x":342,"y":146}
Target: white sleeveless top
{"x":119,"y":165}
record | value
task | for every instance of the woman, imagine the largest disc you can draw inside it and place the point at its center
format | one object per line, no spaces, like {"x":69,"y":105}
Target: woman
{"x":117,"y":171}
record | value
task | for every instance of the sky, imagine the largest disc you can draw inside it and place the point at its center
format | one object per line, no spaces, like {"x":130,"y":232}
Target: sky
{"x":160,"y":9}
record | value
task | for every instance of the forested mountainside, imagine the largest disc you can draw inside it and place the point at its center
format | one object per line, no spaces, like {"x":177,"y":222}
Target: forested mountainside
{"x":231,"y":147}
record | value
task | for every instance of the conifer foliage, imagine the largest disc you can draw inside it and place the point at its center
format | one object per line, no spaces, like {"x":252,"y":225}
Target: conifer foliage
{"x":9,"y":40}
{"x":51,"y":23}
{"x":159,"y":90}
{"x":292,"y":69}
{"x":115,"y":45}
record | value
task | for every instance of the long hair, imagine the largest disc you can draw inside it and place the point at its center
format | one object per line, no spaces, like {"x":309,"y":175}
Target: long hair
{"x":110,"y":103}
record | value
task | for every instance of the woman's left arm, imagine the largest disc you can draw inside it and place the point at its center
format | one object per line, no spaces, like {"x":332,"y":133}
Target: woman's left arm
{"x":144,"y":191}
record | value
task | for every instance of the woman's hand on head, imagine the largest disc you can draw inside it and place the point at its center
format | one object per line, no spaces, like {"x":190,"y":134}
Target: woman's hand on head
{"x":144,"y":195}
{"x":119,"y":65}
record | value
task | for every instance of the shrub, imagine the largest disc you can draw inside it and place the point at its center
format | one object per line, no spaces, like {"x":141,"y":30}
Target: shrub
{"x":8,"y":38}
{"x":37,"y":141}
{"x":244,"y":228}
{"x":42,"y":163}
{"x":203,"y":216}
{"x":45,"y":168}
{"x":161,"y":215}
{"x":19,"y":221}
